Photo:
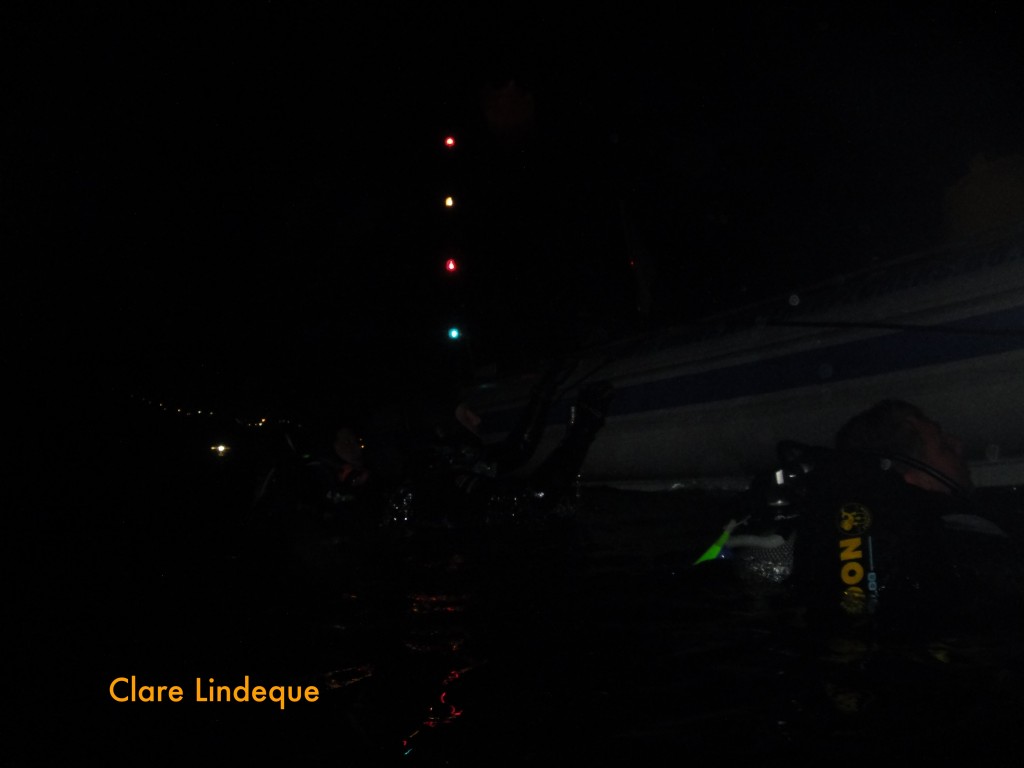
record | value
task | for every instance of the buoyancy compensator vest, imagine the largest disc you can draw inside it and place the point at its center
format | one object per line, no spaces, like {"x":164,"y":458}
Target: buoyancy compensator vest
{"x":860,"y":549}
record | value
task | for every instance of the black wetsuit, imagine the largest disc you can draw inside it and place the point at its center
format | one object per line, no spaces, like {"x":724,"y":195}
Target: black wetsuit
{"x":911,"y":604}
{"x":875,"y":553}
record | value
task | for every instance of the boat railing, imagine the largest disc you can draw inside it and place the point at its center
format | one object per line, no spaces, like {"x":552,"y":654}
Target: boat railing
{"x":838,"y":294}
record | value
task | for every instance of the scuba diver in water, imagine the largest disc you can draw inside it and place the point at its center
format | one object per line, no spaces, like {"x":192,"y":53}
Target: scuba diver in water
{"x":315,"y":501}
{"x":897,"y":573}
{"x":336,"y":481}
{"x":320,"y":503}
{"x":886,"y":524}
{"x":459,"y":480}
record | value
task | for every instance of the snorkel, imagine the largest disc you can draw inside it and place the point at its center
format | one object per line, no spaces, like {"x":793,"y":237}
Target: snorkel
{"x":715,"y":550}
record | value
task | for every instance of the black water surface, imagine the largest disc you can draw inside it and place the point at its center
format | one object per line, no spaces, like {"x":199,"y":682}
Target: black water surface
{"x":586,"y":638}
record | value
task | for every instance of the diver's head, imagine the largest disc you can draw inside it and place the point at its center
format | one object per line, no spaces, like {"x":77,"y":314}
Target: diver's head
{"x":924,"y":454}
{"x":348,"y":446}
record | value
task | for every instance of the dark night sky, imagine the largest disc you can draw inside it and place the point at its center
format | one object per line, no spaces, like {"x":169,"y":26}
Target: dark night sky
{"x":242,"y":201}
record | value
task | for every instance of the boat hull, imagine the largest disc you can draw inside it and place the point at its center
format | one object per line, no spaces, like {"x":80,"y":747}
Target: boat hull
{"x":707,"y":405}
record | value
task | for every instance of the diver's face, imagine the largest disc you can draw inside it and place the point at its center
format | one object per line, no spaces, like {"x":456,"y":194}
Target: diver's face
{"x":941,"y":451}
{"x":347,"y":446}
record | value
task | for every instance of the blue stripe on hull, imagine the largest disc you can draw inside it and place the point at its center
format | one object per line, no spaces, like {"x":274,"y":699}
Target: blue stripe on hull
{"x":990,"y":334}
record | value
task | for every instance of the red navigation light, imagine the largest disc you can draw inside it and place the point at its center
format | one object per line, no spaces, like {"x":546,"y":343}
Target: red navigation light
{"x":450,"y":266}
{"x":449,"y":141}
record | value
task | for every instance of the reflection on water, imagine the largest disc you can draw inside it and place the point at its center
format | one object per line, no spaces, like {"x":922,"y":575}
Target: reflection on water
{"x":590,"y":638}
{"x":594,"y":639}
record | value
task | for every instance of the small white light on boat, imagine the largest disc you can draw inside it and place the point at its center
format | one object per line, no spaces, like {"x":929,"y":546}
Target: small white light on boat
{"x":220,"y":450}
{"x":449,"y":202}
{"x":780,"y":477}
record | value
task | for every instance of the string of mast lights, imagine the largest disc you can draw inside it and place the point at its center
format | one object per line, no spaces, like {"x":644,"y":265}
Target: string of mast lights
{"x":451,"y":264}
